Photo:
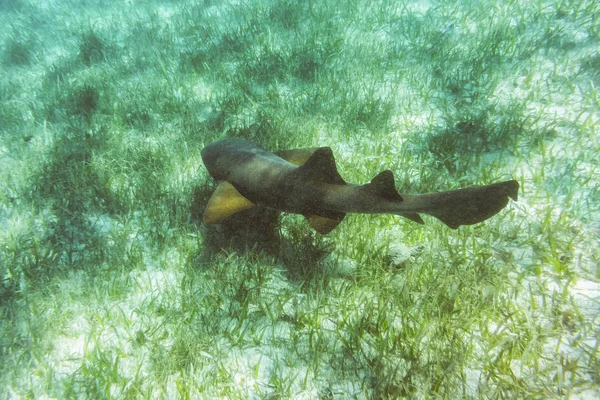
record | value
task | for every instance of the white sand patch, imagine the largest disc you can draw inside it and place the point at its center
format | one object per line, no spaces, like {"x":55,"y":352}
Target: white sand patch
{"x":586,"y":294}
{"x":68,"y":351}
{"x":473,"y":378}
{"x":151,"y":281}
{"x":417,"y":7}
{"x":253,"y":371}
{"x":251,"y":368}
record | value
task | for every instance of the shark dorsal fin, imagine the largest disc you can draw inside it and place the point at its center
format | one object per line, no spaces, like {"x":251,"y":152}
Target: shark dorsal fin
{"x":320,"y":166}
{"x":383,"y":185}
{"x":323,"y":225}
{"x":297,"y":156}
{"x":225,"y":201}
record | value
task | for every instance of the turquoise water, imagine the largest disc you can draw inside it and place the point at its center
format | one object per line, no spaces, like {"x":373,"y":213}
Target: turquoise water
{"x":114,"y":287}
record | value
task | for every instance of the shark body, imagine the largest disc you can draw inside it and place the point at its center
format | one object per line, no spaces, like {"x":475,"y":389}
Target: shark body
{"x":306,"y":181}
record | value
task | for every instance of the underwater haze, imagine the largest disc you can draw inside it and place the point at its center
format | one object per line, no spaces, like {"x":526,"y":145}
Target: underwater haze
{"x":112,"y":287}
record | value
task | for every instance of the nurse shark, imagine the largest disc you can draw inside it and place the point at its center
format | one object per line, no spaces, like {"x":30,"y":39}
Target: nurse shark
{"x":306,"y":181}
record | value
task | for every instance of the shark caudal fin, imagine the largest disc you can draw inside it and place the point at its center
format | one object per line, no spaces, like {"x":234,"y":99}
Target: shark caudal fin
{"x":470,"y":205}
{"x":225,"y":201}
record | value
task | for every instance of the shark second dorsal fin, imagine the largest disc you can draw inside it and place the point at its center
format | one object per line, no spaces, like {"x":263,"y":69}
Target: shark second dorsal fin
{"x":225,"y":201}
{"x":383,"y":185}
{"x":324,"y":225}
{"x":297,"y":156}
{"x":321,"y":167}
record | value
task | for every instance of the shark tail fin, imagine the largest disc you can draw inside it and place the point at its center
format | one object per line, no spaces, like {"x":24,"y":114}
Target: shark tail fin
{"x":225,"y":201}
{"x":470,"y":205}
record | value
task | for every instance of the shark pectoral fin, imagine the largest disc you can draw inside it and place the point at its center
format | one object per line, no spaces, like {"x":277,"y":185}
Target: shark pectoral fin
{"x":225,"y":201}
{"x":323,"y":225}
{"x":413,"y":217}
{"x":297,"y":156}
